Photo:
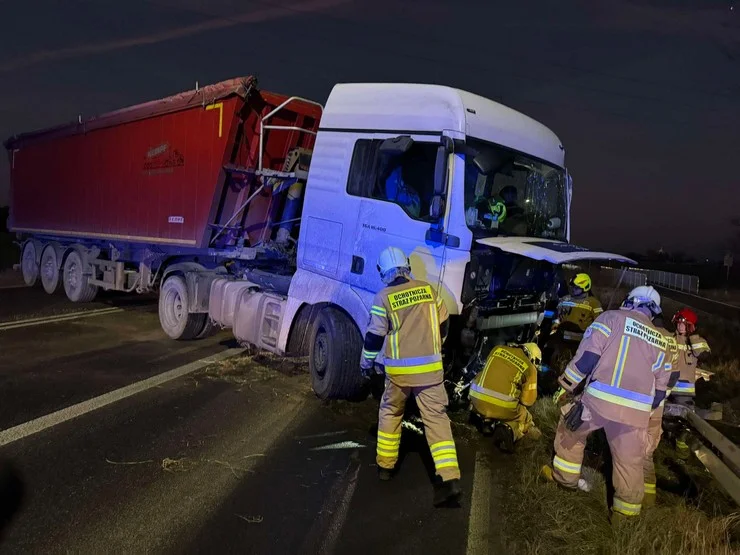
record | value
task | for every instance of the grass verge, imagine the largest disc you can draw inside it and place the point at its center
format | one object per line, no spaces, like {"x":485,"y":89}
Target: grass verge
{"x":541,"y":518}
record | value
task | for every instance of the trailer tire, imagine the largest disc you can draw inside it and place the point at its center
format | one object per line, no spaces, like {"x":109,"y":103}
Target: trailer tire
{"x":29,"y":264}
{"x":334,"y":357}
{"x":49,"y":270}
{"x":76,"y":284}
{"x":174,"y":317}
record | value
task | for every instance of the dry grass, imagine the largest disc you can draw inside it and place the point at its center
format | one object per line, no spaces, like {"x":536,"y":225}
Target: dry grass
{"x":544,"y":519}
{"x":250,"y":369}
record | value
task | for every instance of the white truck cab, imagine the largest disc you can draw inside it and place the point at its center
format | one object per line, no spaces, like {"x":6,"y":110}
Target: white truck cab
{"x":475,"y":193}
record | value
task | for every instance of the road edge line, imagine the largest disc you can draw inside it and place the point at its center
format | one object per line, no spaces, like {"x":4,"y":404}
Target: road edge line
{"x":42,"y":423}
{"x":479,"y":519}
{"x":13,"y":324}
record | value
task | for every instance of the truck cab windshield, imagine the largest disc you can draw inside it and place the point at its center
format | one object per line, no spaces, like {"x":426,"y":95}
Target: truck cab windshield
{"x":508,"y":193}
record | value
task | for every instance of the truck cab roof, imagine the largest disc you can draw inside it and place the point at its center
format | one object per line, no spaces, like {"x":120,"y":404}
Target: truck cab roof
{"x":413,"y":108}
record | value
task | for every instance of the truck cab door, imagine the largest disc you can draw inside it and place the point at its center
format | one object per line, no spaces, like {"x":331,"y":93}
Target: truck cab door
{"x":399,"y":207}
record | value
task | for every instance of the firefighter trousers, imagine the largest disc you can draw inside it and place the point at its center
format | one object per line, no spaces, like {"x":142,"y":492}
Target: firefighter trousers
{"x":432,"y":401}
{"x":627,"y":446}
{"x":654,"y":433}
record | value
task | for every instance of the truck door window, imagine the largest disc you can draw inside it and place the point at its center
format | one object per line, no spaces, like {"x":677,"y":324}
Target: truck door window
{"x":405,"y":179}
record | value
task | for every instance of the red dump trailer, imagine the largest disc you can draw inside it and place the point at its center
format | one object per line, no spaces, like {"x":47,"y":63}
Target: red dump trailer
{"x":111,"y":201}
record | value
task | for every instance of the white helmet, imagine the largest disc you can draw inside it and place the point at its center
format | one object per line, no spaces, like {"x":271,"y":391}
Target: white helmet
{"x":392,"y":258}
{"x":644,"y":295}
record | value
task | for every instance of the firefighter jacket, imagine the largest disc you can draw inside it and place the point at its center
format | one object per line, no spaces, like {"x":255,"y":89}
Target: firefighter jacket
{"x":508,"y":379}
{"x":576,"y":314}
{"x":628,"y":363}
{"x":689,"y":350}
{"x":408,"y":322}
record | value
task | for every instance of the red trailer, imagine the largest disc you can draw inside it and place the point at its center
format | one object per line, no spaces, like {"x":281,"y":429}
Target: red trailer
{"x":163,"y":179}
{"x":151,"y":173}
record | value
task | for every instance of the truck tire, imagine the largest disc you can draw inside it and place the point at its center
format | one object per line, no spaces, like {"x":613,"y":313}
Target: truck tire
{"x":334,"y":357}
{"x":76,"y":284}
{"x":209,"y":328}
{"x":29,"y":266}
{"x":174,"y":317}
{"x":49,"y":269}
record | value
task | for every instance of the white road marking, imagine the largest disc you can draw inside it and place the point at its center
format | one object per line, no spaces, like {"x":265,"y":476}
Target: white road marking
{"x":479,"y":520}
{"x":42,"y":423}
{"x":14,"y":324}
{"x":340,"y":514}
{"x":340,"y":445}
{"x":325,"y":531}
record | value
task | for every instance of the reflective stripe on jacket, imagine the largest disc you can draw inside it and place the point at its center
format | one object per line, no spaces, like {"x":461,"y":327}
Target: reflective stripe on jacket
{"x":508,"y":379}
{"x":627,"y":359}
{"x":409,"y":315}
{"x":689,"y":351}
{"x":577,"y":313}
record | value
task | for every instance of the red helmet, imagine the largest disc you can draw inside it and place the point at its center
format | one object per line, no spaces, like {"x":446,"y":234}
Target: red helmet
{"x":688,"y":317}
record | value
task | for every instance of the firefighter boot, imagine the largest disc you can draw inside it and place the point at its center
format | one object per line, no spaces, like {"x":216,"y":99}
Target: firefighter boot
{"x":503,"y":438}
{"x":448,"y":493}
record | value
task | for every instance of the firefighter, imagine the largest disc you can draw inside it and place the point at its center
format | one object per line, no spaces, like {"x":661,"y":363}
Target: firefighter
{"x":655,"y":424}
{"x":409,"y":323}
{"x":690,"y":347}
{"x":577,"y":310}
{"x":622,"y":358}
{"x":502,"y":391}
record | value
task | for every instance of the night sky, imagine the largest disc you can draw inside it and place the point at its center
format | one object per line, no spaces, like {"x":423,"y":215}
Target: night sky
{"x":644,"y":94}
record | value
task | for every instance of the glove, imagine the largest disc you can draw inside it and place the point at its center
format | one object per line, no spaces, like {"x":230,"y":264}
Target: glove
{"x":366,"y":368}
{"x":561,"y":397}
{"x":573,"y":419}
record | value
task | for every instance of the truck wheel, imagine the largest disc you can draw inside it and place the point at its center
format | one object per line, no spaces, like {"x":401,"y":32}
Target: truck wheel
{"x":29,"y":266}
{"x":174,"y":317}
{"x":49,"y":269}
{"x":334,"y":357}
{"x":76,"y":284}
{"x":209,"y":328}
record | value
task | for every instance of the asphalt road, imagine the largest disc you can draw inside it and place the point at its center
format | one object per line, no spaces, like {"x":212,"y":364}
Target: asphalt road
{"x":235,"y":457}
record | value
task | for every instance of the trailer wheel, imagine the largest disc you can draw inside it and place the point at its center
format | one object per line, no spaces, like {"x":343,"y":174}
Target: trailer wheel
{"x":76,"y":284}
{"x":49,"y":269}
{"x":174,"y":317}
{"x":334,"y":357}
{"x":29,"y":266}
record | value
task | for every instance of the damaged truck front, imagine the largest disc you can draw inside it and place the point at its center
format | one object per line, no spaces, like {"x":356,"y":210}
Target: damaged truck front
{"x":475,"y":193}
{"x":266,"y":215}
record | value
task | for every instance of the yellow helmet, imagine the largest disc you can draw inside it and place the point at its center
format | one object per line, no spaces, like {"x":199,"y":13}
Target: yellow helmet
{"x":534,"y":352}
{"x":582,"y":281}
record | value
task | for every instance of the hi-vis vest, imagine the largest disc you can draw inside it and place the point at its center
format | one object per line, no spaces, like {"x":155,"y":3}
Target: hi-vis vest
{"x":409,"y":317}
{"x":632,"y":360}
{"x":689,"y":351}
{"x":576,"y":315}
{"x":507,"y":379}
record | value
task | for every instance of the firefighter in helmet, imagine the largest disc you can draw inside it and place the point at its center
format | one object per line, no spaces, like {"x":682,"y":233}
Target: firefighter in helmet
{"x":502,"y":391}
{"x":409,"y":323}
{"x":574,"y":314}
{"x":691,"y":347}
{"x":577,"y":310}
{"x":624,"y":360}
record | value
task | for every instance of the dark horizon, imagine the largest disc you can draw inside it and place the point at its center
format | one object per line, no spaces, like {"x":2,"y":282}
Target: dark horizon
{"x":642,"y":93}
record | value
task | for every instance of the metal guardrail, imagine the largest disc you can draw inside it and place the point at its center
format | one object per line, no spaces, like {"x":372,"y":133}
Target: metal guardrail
{"x":679,"y":282}
{"x":725,"y":467}
{"x":634,"y":277}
